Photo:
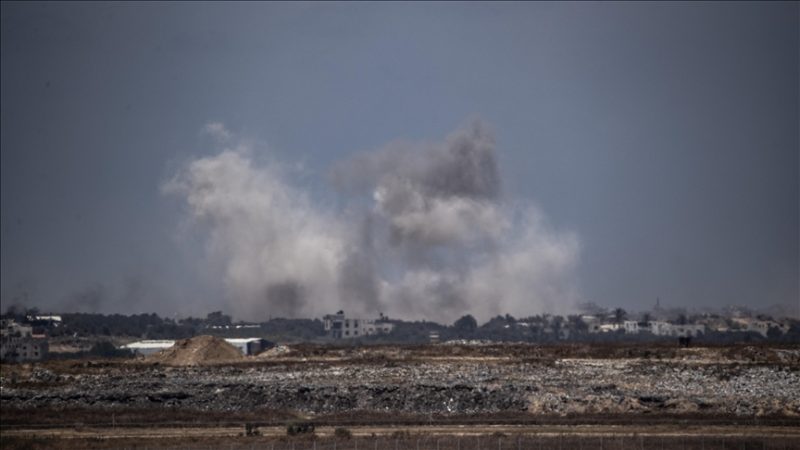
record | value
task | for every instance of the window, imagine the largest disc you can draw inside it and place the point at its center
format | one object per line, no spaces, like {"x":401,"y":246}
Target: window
{"x":347,"y":333}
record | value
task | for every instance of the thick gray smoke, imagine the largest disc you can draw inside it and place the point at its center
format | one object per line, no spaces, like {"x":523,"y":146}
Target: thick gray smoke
{"x":437,"y":239}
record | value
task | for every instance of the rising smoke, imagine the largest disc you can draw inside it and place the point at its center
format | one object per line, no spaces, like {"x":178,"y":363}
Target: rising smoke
{"x":427,"y":233}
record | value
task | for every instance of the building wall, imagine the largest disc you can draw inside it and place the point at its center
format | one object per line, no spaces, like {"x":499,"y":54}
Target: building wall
{"x":23,"y":349}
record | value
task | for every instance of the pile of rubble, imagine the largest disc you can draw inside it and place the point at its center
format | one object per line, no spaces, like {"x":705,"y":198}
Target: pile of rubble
{"x":196,"y":351}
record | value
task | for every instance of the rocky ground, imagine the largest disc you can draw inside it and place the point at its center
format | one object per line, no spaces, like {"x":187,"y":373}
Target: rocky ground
{"x":462,"y":380}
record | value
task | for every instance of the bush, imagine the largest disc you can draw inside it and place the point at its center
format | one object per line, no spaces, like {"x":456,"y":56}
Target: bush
{"x":342,"y":433}
{"x":295,"y":428}
{"x":251,"y":429}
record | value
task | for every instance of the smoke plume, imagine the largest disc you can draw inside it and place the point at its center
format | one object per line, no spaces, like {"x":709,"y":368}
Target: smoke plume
{"x":426,"y":233}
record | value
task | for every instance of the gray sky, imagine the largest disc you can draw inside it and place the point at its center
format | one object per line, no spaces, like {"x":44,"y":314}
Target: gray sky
{"x":660,"y":139}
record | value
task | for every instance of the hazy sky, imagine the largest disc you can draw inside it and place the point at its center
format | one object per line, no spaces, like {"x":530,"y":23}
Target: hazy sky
{"x":657,"y":144}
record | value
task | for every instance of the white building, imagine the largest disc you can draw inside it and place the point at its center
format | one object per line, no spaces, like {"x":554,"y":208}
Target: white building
{"x":631,"y":327}
{"x":148,"y":347}
{"x":49,"y":319}
{"x":657,"y":327}
{"x":660,"y":328}
{"x":605,"y":327}
{"x":248,"y":346}
{"x":338,"y":326}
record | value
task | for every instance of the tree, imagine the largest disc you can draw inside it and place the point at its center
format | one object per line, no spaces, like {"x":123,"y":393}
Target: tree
{"x":774,"y":333}
{"x":466,"y":325}
{"x":620,"y":315}
{"x":576,"y":324}
{"x":216,"y":318}
{"x":557,"y":324}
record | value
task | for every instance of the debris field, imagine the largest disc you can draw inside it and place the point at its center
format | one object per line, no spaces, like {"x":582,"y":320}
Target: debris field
{"x":423,"y":380}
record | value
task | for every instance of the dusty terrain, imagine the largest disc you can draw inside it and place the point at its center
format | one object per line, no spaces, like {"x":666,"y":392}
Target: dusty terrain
{"x":442,"y":380}
{"x":477,"y":385}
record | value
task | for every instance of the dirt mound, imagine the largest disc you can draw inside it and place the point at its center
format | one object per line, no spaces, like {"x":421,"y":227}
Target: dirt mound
{"x":274,"y":352}
{"x":198,"y":350}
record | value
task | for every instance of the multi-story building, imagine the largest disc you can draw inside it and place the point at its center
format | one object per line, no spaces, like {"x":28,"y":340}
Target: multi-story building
{"x":338,"y":326}
{"x":18,"y":343}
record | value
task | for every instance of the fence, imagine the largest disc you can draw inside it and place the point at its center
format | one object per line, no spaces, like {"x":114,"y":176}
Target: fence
{"x":527,"y":442}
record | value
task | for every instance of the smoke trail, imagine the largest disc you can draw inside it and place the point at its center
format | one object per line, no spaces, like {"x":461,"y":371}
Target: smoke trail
{"x":436,"y":241}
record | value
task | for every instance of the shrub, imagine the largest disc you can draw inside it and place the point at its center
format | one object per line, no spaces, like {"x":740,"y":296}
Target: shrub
{"x":342,"y":433}
{"x":295,"y":428}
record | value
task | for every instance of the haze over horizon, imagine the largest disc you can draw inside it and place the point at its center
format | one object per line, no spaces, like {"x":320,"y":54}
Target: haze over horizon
{"x":423,"y":160}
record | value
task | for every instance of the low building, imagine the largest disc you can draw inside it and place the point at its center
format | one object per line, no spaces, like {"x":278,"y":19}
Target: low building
{"x":605,"y":327}
{"x":759,"y":326}
{"x":46,"y":320}
{"x":337,"y":326}
{"x":660,"y":328}
{"x":631,"y":327}
{"x":248,"y":346}
{"x":148,"y":347}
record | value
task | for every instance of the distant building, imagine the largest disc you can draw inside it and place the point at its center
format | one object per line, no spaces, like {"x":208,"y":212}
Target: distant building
{"x":660,"y":328}
{"x":148,"y":347}
{"x":248,"y":346}
{"x":759,"y":326}
{"x":605,"y":327}
{"x":632,"y":327}
{"x":337,"y":326}
{"x":18,"y":343}
{"x":49,"y":320}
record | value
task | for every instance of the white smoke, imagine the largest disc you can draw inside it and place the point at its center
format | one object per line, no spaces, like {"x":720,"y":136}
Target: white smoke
{"x":281,"y":253}
{"x":437,"y":241}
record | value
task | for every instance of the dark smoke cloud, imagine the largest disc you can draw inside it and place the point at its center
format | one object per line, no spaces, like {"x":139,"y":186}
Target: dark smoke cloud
{"x":437,"y":239}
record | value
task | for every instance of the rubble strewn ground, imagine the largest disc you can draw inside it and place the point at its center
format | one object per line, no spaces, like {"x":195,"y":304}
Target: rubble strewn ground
{"x":442,"y":380}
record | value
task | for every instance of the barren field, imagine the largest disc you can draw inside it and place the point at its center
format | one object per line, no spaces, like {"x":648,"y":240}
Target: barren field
{"x":746,"y":392}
